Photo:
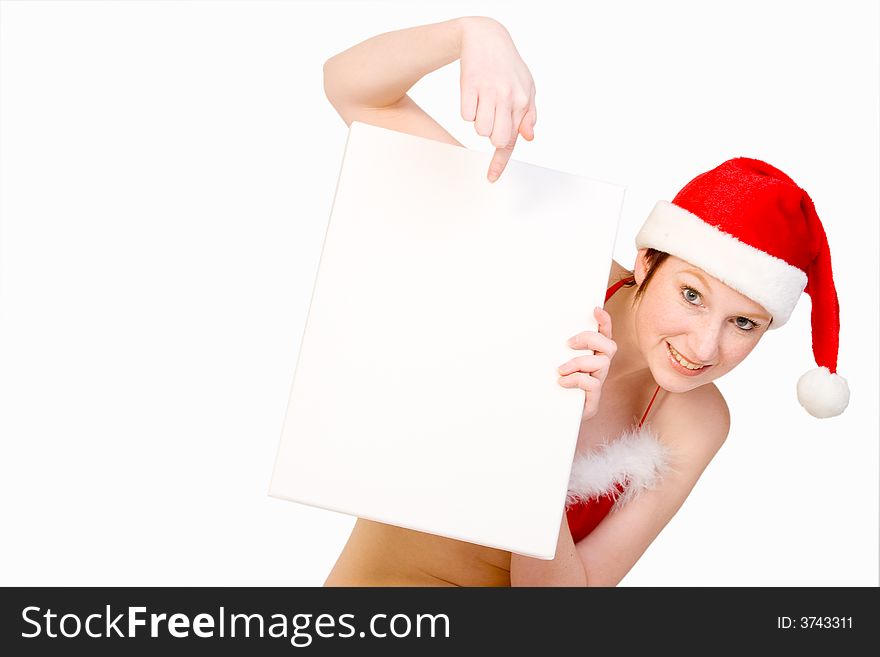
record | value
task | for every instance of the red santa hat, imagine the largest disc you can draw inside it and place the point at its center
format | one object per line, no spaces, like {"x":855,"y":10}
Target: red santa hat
{"x":750,"y":226}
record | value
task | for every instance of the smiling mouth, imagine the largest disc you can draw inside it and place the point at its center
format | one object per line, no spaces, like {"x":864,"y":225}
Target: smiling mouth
{"x":681,"y":360}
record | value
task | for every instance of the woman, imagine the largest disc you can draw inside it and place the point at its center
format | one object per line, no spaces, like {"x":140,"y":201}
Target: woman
{"x":716,"y":268}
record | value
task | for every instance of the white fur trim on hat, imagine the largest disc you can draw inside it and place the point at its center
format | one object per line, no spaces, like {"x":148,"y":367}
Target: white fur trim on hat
{"x":762,"y":277}
{"x":637,"y":461}
{"x":822,"y":393}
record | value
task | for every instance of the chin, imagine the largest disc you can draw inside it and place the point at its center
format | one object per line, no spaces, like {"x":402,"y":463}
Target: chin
{"x":671,"y":383}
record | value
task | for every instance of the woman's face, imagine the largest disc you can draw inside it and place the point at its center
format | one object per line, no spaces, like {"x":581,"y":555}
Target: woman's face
{"x":691,"y":327}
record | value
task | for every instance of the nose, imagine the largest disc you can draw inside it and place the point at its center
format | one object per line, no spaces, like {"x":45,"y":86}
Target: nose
{"x":705,"y":343}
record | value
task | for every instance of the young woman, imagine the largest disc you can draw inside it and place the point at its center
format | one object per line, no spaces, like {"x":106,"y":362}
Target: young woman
{"x":716,"y":268}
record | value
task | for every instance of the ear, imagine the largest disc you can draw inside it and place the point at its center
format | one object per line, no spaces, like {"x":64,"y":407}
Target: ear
{"x":640,"y":270}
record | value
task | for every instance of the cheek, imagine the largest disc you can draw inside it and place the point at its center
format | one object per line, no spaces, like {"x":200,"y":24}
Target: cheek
{"x":736,"y":351}
{"x":661,"y":321}
{"x":745,"y":348}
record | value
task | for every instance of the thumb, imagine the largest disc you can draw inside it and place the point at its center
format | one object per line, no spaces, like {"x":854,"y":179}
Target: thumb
{"x":527,"y":125}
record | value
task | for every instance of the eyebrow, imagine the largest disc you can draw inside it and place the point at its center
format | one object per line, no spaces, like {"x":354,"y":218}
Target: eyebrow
{"x":700,"y":276}
{"x":697,"y":274}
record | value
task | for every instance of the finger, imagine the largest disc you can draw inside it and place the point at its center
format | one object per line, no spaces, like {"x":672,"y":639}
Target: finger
{"x":499,"y":161}
{"x":586,"y":364}
{"x":594,"y":341}
{"x":519,"y":120}
{"x":596,"y":365}
{"x":485,"y":115}
{"x":502,"y":132}
{"x":468,"y":102}
{"x":534,"y":110}
{"x":589,"y":384}
{"x":604,"y":321}
{"x":585,"y":382}
{"x":527,"y":125}
{"x":526,"y":129}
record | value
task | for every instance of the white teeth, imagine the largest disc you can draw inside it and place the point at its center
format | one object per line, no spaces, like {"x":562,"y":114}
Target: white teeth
{"x":682,"y":361}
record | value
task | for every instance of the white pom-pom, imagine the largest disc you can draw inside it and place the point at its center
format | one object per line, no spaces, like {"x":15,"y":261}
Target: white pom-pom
{"x":822,"y":393}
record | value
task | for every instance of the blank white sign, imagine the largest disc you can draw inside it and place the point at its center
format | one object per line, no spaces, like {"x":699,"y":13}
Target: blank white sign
{"x":425,"y":393}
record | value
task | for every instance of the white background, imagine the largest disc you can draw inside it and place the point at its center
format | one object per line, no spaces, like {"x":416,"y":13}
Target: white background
{"x":167,"y":172}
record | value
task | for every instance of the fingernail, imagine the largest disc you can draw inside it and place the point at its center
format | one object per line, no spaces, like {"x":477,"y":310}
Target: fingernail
{"x":571,"y":342}
{"x":493,"y":176}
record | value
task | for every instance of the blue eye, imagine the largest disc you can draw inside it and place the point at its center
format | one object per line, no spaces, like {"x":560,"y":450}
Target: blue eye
{"x":690,"y":295}
{"x":693,"y":297}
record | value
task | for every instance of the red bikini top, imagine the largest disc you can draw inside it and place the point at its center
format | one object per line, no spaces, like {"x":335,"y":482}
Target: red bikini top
{"x":610,"y":476}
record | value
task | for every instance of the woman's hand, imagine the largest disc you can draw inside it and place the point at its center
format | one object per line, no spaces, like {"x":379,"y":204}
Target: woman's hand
{"x":589,"y":372}
{"x":497,"y":90}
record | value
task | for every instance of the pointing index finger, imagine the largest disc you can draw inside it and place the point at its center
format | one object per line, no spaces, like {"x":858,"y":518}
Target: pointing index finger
{"x":500,"y":159}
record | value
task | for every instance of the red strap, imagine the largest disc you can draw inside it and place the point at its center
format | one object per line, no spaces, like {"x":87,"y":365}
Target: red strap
{"x":649,"y":406}
{"x":611,"y":290}
{"x":614,"y":288}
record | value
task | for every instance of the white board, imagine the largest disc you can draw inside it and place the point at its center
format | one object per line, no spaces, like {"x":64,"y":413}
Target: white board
{"x":425,"y":393}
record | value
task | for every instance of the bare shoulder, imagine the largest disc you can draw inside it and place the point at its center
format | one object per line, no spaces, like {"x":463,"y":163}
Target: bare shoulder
{"x":692,"y":426}
{"x":617,"y":272}
{"x":697,"y":421}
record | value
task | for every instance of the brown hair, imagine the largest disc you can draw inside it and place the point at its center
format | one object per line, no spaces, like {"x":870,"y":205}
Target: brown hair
{"x":654,"y":259}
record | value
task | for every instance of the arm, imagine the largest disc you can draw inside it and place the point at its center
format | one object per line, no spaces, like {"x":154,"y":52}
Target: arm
{"x":379,"y":71}
{"x":565,"y":569}
{"x":694,"y":425}
{"x":368,"y":82}
{"x":697,"y":425}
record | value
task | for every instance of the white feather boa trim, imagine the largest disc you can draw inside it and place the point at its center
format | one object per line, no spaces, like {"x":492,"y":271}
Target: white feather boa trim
{"x":637,"y":460}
